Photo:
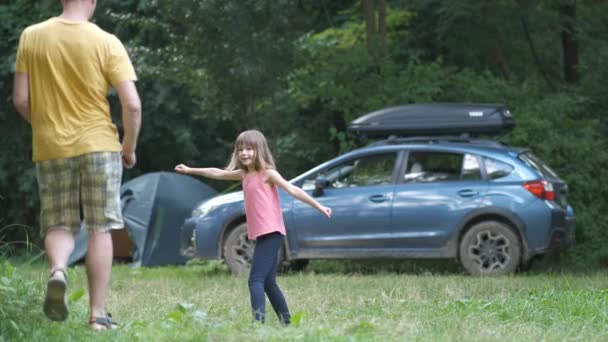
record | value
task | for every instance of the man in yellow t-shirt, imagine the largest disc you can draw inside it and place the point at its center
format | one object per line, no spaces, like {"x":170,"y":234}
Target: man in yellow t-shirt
{"x":64,"y":69}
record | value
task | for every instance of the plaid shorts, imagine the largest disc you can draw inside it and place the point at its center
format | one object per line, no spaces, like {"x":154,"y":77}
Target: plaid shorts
{"x":83,"y":187}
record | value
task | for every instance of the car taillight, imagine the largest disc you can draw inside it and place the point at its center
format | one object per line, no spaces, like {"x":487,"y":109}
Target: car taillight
{"x":541,"y":189}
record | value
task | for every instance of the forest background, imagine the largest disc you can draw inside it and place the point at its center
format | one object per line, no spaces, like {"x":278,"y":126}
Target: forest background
{"x":301,"y":70}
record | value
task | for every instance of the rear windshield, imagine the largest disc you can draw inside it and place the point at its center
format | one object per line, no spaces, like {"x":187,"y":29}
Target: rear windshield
{"x":536,"y":163}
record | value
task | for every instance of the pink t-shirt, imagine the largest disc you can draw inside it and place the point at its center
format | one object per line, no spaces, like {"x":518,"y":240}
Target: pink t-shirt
{"x":262,"y":206}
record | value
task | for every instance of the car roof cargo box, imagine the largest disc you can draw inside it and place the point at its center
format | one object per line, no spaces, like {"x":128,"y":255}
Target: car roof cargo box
{"x":435,"y":119}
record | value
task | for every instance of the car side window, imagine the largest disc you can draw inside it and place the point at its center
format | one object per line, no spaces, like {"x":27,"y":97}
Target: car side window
{"x":433,"y":166}
{"x":368,"y":170}
{"x":470,"y":168}
{"x":496,"y":169}
{"x":372,"y":170}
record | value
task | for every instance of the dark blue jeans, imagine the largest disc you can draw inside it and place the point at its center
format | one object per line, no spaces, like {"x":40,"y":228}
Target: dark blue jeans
{"x":262,"y":278}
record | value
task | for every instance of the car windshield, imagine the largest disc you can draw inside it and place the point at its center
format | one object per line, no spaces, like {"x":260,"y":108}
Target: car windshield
{"x":536,"y":163}
{"x":363,"y":171}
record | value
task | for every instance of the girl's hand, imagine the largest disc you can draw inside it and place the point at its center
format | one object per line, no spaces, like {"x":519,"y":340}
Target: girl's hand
{"x":326,"y":211}
{"x":181,"y":168}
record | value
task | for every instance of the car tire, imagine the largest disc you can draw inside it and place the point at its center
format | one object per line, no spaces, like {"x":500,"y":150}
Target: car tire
{"x":490,"y":248}
{"x":238,"y":250}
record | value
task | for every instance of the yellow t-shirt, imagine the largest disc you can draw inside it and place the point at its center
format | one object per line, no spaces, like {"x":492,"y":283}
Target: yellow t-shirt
{"x":71,"y":66}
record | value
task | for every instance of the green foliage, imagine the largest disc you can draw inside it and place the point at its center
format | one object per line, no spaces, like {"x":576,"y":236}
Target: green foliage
{"x":296,"y":318}
{"x":559,"y":130}
{"x":336,"y":79}
{"x":486,"y":35}
{"x":336,"y":70}
{"x":16,"y":294}
{"x":300,"y":71}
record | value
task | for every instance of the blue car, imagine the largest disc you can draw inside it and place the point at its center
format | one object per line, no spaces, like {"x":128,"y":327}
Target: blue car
{"x":492,"y":207}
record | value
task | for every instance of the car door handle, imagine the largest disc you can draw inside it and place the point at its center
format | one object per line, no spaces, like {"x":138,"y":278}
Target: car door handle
{"x":378,"y":198}
{"x":467,"y":193}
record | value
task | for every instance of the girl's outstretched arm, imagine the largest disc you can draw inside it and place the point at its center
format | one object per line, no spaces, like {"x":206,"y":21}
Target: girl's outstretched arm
{"x":210,"y":172}
{"x":274,"y":177}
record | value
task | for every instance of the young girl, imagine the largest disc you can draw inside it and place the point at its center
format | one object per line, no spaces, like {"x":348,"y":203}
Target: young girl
{"x":252,"y":163}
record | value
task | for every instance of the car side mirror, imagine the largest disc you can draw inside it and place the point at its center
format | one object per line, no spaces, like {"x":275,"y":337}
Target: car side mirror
{"x":320,"y":183}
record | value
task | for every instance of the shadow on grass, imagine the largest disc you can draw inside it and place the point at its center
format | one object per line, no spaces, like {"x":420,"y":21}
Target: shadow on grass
{"x":375,"y":266}
{"x":550,"y":263}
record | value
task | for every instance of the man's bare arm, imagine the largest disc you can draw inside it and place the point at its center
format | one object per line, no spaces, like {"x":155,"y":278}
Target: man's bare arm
{"x":21,"y":95}
{"x":131,"y":120}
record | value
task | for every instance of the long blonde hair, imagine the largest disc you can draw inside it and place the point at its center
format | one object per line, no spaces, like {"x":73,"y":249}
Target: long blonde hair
{"x":263,"y":157}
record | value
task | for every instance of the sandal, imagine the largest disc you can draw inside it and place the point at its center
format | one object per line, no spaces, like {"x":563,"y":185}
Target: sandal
{"x":55,"y":302}
{"x":102,"y":323}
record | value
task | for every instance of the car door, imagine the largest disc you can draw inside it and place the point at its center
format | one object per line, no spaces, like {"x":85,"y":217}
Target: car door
{"x":435,"y":192}
{"x":360,"y":193}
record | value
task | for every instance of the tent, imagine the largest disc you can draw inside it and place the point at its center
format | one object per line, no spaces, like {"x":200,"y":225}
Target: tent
{"x":154,"y":208}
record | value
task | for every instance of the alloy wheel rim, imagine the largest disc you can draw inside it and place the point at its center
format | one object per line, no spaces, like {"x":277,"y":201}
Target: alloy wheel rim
{"x":242,"y":251}
{"x":490,"y":251}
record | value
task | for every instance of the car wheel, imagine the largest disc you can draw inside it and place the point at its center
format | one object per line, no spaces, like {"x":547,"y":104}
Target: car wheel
{"x":238,"y":250}
{"x":490,"y":247}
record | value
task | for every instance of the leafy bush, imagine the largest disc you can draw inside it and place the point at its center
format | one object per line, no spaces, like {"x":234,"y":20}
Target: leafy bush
{"x":16,"y":297}
{"x":556,"y":128}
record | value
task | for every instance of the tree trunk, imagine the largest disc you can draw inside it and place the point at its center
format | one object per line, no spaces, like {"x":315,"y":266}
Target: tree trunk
{"x":567,"y":13}
{"x":500,"y":60}
{"x":528,"y":36}
{"x":374,"y":12}
{"x":381,"y":8}
{"x":370,"y":21}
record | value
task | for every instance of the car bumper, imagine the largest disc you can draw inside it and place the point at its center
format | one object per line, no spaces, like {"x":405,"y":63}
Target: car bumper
{"x":566,"y":236}
{"x":563,"y":232}
{"x":187,"y":238}
{"x":200,"y":238}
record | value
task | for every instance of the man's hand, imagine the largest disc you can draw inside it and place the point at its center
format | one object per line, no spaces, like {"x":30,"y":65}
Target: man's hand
{"x":131,"y":120}
{"x":128,"y":157}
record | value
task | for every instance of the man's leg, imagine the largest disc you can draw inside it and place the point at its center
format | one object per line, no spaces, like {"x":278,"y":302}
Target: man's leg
{"x":59,"y":244}
{"x":58,"y":185}
{"x":101,"y":177}
{"x":99,"y":268}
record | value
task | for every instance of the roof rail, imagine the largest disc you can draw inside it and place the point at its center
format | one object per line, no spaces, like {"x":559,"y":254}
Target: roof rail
{"x":462,"y":139}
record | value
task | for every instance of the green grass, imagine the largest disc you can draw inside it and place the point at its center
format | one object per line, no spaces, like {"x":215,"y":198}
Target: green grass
{"x":331,"y":301}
